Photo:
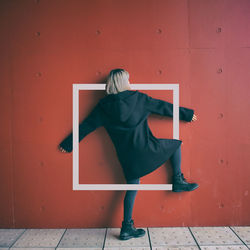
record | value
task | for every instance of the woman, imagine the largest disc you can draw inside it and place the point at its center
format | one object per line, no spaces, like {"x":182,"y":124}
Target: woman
{"x":123,"y":112}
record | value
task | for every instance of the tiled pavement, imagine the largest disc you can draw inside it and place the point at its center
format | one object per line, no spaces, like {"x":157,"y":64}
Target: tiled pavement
{"x":156,"y":238}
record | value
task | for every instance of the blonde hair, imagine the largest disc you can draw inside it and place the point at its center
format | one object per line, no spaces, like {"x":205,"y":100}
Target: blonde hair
{"x":117,"y":81}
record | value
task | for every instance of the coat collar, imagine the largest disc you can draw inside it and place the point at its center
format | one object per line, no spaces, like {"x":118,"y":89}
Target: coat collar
{"x":124,"y":93}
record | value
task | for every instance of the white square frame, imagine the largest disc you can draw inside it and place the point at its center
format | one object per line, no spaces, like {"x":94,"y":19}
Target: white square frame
{"x":101,"y":86}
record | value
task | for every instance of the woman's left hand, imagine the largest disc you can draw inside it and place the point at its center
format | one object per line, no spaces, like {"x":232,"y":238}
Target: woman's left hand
{"x":62,"y":149}
{"x":194,"y":118}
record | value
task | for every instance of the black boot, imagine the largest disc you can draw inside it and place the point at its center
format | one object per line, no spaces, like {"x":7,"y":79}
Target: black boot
{"x":180,"y":184}
{"x":129,"y":231}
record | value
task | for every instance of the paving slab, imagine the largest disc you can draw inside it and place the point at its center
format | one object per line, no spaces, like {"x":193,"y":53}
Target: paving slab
{"x":79,"y":248}
{"x":176,"y":248}
{"x":32,"y":248}
{"x":226,"y":247}
{"x":9,"y":236}
{"x":243,"y":233}
{"x":171,"y":236}
{"x":83,"y":237}
{"x":206,"y":236}
{"x":39,"y":238}
{"x":126,"y":248}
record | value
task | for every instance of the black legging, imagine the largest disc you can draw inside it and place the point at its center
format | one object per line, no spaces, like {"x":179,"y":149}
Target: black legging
{"x":129,"y":198}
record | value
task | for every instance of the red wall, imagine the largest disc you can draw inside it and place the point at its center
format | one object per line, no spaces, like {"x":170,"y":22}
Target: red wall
{"x":202,"y":45}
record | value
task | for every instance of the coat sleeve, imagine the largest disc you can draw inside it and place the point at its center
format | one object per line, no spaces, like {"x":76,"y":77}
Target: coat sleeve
{"x":164,"y":108}
{"x":88,"y":125}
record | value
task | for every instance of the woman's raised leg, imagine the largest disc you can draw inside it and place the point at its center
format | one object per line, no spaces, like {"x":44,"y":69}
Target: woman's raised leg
{"x":179,"y":182}
{"x":175,"y":160}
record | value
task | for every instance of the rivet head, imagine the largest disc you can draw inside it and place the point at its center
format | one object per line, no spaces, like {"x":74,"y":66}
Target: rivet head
{"x":218,"y":30}
{"x":159,"y":72}
{"x":221,"y":115}
{"x":219,"y":70}
{"x":221,"y":205}
{"x":39,"y":74}
{"x":42,"y":208}
{"x":98,"y":32}
{"x":159,"y":31}
{"x":37,"y":33}
{"x":37,"y":1}
{"x":221,"y":161}
{"x":42,"y":163}
{"x":41,"y":119}
{"x":98,"y":73}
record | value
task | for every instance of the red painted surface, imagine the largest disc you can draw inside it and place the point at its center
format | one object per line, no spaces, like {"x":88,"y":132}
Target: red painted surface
{"x":202,"y":45}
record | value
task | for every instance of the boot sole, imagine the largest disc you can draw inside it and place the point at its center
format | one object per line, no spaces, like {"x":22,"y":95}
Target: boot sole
{"x":181,"y":190}
{"x":131,"y":236}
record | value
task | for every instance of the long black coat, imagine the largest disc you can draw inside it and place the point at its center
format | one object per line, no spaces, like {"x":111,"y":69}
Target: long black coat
{"x":124,"y":116}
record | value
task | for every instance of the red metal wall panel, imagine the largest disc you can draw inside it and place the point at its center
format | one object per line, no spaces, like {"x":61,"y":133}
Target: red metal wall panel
{"x":48,"y":45}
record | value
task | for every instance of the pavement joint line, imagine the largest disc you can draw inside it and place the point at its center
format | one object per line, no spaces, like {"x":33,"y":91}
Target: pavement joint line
{"x":239,"y":237}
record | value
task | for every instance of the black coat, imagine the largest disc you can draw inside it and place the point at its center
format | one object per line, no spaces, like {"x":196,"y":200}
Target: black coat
{"x":124,"y":116}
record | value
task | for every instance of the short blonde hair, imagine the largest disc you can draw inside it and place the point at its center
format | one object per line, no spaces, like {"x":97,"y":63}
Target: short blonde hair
{"x":117,"y":81}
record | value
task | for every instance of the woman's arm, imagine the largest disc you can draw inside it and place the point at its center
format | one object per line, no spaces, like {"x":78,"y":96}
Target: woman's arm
{"x":161,"y":107}
{"x":88,"y":125}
